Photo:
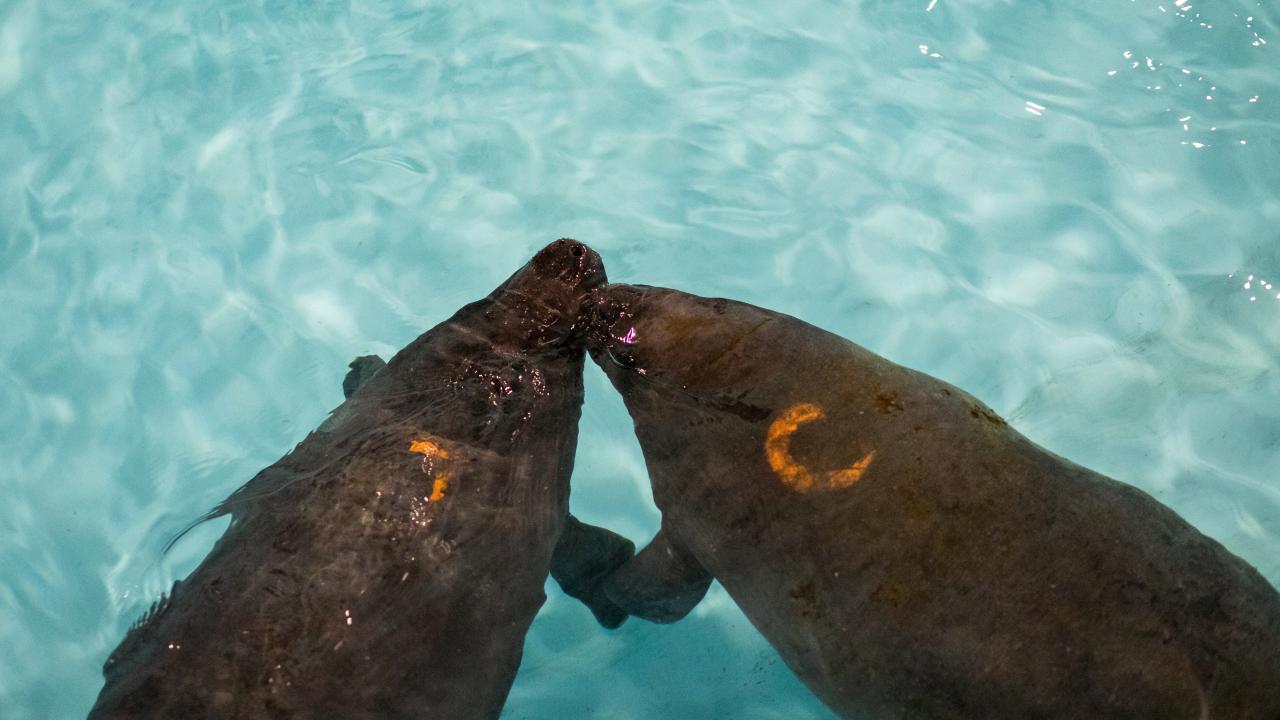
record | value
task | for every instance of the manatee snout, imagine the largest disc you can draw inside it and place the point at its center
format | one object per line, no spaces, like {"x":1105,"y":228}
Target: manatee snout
{"x":551,"y":293}
{"x":611,"y":329}
{"x":570,"y":267}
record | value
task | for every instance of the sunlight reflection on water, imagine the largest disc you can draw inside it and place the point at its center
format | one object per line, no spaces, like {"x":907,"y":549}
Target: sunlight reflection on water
{"x":210,"y":208}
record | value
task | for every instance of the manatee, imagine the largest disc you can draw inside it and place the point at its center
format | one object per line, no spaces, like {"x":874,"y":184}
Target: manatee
{"x":584,"y":554}
{"x":906,"y":551}
{"x":390,"y":565}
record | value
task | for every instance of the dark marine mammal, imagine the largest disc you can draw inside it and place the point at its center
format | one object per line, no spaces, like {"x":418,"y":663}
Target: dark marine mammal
{"x":907,"y":552}
{"x":584,"y":554}
{"x":390,"y":565}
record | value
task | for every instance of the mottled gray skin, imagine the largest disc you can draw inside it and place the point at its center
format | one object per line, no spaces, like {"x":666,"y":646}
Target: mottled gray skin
{"x":340,"y":590}
{"x":967,"y":574}
{"x":584,"y":555}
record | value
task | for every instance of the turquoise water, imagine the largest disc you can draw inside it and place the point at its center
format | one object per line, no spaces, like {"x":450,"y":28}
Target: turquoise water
{"x":208,"y":208}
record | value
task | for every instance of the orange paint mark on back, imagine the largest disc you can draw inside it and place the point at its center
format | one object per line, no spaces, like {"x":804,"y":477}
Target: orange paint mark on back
{"x":432,"y":451}
{"x":439,"y":486}
{"x":777,"y":446}
{"x":850,"y":475}
{"x":777,"y":450}
{"x":429,"y":448}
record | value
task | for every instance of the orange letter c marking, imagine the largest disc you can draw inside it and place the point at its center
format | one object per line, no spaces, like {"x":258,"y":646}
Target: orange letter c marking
{"x":777,"y":449}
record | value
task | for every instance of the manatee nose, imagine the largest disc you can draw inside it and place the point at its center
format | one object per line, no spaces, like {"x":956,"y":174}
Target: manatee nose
{"x":572,"y":262}
{"x":613,"y":307}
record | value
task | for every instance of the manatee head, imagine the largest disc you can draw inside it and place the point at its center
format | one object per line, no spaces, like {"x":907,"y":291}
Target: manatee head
{"x":542,"y":304}
{"x":655,"y":338}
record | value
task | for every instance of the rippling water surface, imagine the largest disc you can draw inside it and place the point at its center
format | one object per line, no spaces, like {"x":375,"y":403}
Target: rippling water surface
{"x":207,"y":208}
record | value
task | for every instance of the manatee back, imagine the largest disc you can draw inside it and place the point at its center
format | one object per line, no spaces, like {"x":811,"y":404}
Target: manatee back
{"x":908,"y":553}
{"x":390,"y":565}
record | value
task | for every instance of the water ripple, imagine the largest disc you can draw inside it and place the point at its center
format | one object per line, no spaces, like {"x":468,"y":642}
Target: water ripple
{"x":1058,"y":208}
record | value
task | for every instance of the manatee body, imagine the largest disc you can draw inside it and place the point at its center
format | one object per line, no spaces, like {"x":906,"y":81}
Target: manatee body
{"x":390,"y":565}
{"x":907,"y":552}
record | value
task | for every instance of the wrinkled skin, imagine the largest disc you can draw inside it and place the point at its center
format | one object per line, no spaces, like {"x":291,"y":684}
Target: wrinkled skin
{"x":907,"y":552}
{"x":390,"y":565}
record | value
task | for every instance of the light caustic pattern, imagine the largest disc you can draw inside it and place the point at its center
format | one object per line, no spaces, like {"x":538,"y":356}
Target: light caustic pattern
{"x":207,"y":208}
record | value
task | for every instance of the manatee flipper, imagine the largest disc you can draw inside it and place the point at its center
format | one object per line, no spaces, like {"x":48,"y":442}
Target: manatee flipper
{"x":583,"y":557}
{"x":661,"y":584}
{"x":362,"y":368}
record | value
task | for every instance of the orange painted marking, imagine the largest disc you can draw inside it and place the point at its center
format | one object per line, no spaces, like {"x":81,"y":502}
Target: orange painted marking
{"x":429,"y":448}
{"x":432,"y":451}
{"x":439,"y":486}
{"x":777,"y":449}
